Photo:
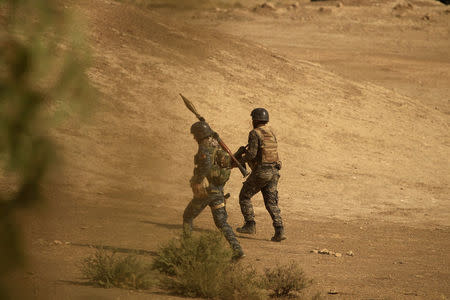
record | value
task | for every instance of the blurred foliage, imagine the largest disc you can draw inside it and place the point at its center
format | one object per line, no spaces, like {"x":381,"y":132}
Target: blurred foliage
{"x":42,"y":69}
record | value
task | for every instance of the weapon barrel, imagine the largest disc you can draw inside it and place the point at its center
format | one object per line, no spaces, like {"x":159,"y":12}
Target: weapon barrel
{"x":192,"y":108}
{"x":238,"y":164}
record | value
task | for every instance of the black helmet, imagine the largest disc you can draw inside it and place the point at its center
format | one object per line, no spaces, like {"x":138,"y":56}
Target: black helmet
{"x":260,"y":114}
{"x":201,"y":130}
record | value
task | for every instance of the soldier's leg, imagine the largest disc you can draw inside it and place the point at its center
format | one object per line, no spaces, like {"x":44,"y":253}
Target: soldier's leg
{"x":192,"y":210}
{"x":248,"y":190}
{"x":270,"y":195}
{"x":220,"y":216}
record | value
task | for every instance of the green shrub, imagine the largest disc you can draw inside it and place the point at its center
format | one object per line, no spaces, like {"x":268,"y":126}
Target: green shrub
{"x":206,"y":249}
{"x":194,"y":264}
{"x":107,"y":270}
{"x":201,"y":266}
{"x":285,"y":279}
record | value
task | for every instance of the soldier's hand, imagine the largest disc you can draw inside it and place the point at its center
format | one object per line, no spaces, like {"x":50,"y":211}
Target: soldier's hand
{"x":199,"y":190}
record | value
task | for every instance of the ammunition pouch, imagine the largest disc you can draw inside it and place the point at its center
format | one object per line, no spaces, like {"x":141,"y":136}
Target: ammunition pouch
{"x":220,"y":170}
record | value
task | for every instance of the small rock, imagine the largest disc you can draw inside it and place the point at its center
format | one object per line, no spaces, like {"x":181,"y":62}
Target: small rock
{"x":426,"y":17}
{"x":316,"y":251}
{"x":403,"y":5}
{"x":332,"y":253}
{"x":339,"y":4}
{"x":324,"y":251}
{"x":83,"y":227}
{"x":350,"y":253}
{"x":68,"y":243}
{"x":337,"y":254}
{"x":267,"y":5}
{"x":333,"y":292}
{"x":56,"y":242}
{"x":41,"y":242}
{"x":281,"y":10}
{"x":294,"y":5}
{"x":324,"y":10}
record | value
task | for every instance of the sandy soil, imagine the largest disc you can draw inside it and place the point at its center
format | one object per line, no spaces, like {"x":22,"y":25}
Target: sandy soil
{"x":358,"y":95}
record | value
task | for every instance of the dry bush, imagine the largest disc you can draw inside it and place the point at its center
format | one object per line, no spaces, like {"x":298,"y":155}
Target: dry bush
{"x":107,"y":270}
{"x":284,"y":280}
{"x":242,"y":283}
{"x":194,"y":264}
{"x":201,"y":266}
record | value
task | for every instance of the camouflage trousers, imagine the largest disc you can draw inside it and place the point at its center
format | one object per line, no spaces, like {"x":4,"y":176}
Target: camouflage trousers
{"x":216,"y":202}
{"x":264,"y":179}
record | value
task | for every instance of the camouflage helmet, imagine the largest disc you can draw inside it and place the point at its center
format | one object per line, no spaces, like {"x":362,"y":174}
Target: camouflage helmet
{"x":260,"y":114}
{"x":201,"y":130}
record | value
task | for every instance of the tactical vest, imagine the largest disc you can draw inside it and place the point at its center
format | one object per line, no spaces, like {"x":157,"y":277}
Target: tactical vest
{"x":268,"y":149}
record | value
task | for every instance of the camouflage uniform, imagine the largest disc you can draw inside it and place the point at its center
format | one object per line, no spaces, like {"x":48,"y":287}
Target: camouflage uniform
{"x":262,"y":156}
{"x":214,"y":196}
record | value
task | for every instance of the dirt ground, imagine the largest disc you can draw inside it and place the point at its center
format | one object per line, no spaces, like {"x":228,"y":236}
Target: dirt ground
{"x":358,"y":93}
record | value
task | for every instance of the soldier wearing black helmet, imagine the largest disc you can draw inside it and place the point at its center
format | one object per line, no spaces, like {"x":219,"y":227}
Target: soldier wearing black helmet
{"x":262,"y":157}
{"x":211,"y":172}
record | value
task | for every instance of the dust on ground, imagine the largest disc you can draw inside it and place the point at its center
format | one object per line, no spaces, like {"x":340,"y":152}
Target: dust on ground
{"x":358,"y":93}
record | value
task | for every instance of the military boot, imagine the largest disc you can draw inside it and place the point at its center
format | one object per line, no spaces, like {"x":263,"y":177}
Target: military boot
{"x":237,"y":253}
{"x":248,"y":228}
{"x":279,"y":234}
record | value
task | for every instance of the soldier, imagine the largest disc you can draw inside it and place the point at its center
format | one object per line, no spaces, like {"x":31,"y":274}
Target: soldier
{"x":212,"y":171}
{"x":262,"y":157}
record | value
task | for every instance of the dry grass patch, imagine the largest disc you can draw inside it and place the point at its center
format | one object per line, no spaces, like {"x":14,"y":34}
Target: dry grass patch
{"x":106,"y":269}
{"x":285,"y":280}
{"x":201,"y":266}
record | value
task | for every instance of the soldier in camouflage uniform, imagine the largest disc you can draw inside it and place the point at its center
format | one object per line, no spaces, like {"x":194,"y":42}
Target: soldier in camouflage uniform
{"x":262,"y":157}
{"x":212,"y":171}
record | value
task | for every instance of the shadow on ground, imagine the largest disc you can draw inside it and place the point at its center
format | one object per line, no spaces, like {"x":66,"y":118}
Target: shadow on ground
{"x":79,"y":283}
{"x":252,"y":238}
{"x":174,"y":226}
{"x":117,"y":249}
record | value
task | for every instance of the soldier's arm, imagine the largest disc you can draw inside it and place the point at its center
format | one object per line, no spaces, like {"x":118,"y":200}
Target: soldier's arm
{"x":253,"y":144}
{"x":203,"y":165}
